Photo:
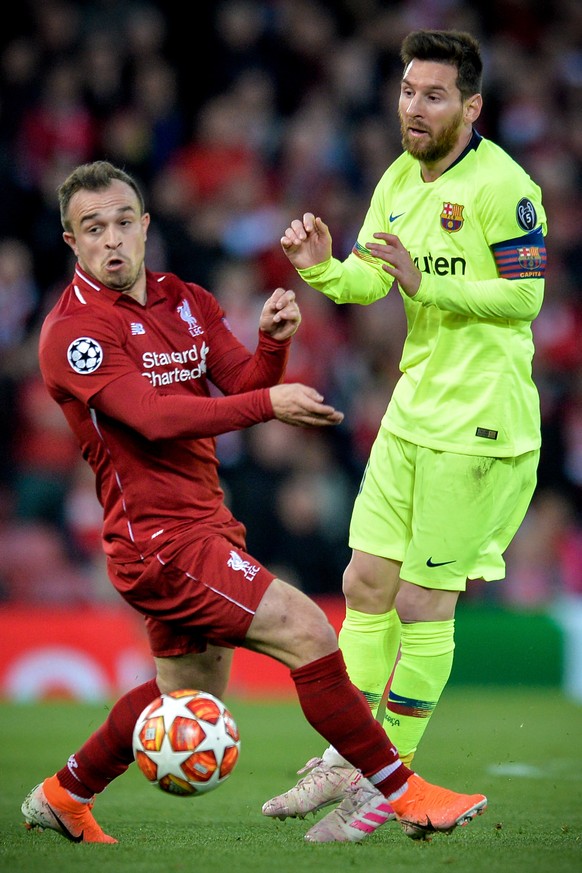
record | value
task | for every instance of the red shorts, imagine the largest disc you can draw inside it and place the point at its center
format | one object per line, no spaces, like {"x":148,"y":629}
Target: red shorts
{"x":207,"y":591}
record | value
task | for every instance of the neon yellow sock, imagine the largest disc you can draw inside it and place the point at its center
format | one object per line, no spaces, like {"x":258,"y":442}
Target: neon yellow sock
{"x":426,"y":660}
{"x":369,"y":644}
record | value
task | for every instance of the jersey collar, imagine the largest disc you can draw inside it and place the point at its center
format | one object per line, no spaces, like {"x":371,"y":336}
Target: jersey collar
{"x":471,"y":146}
{"x":89,"y":284}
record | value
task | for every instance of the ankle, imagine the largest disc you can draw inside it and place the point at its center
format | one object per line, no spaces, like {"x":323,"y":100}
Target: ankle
{"x":58,"y":795}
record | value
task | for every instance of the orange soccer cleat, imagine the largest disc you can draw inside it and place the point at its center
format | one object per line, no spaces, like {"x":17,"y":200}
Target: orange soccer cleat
{"x":50,"y":806}
{"x":425,"y":809}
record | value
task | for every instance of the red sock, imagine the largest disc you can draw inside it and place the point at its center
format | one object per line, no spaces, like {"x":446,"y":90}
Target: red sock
{"x":340,"y":713}
{"x":108,"y":752}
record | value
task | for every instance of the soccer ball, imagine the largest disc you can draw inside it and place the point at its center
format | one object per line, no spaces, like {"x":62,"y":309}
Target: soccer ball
{"x":186,"y":742}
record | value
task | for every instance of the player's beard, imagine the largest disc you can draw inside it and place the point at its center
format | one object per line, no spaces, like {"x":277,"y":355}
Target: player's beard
{"x":123,"y":280}
{"x":437,"y":147}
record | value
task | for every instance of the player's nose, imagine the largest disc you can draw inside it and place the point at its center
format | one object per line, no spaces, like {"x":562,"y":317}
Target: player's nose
{"x":112,"y":238}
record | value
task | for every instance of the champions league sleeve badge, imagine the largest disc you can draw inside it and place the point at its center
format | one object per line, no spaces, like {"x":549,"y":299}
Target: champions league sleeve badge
{"x":526,"y":214}
{"x":85,"y":355}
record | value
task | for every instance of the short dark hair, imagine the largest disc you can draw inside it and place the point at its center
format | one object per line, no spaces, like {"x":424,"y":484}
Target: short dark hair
{"x":93,"y":177}
{"x":454,"y":47}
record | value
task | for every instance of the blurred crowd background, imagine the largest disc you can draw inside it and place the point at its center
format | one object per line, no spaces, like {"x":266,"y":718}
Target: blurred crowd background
{"x":235,"y":117}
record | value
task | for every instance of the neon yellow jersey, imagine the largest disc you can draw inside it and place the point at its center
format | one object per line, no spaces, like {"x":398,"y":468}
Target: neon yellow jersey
{"x":477,"y":235}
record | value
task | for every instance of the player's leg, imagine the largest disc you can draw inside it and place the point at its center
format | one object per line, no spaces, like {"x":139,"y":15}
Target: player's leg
{"x":290,"y":627}
{"x":379,"y":533}
{"x":107,"y":753}
{"x":369,"y":640}
{"x":423,"y":669}
{"x":205,"y":671}
{"x":472,"y":506}
{"x":370,"y":633}
{"x":466,"y":511}
{"x":63,"y":802}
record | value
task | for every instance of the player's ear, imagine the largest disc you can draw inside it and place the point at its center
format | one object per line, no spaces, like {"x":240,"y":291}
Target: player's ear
{"x":70,"y":240}
{"x":145,"y":223}
{"x":473,"y":108}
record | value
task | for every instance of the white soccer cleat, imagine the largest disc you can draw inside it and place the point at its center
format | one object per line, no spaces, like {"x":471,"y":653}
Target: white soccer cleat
{"x":324,"y":784}
{"x":362,"y":811}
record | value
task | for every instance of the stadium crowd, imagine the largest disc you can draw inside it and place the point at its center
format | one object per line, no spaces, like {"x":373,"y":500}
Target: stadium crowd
{"x":260,"y":110}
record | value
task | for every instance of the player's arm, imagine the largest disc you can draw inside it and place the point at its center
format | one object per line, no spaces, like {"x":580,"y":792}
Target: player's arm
{"x":176,"y":416}
{"x":513,"y":223}
{"x":115,"y":387}
{"x":513,"y":262}
{"x":357,"y":279}
{"x":131,"y":400}
{"x":230,"y":365}
{"x":517,"y":298}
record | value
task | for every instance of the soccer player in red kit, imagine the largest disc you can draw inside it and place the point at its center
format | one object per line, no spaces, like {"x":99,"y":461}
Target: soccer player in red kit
{"x":129,"y":355}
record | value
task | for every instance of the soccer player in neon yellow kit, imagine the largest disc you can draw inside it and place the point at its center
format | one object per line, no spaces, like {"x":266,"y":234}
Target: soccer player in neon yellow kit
{"x":457,"y":227}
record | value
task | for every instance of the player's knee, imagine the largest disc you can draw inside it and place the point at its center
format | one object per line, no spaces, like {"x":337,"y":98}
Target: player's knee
{"x":370,"y":583}
{"x":308,"y":632}
{"x":360,"y":590}
{"x":315,"y":638}
{"x":291,"y":627}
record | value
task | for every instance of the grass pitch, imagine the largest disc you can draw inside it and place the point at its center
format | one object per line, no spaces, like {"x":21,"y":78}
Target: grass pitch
{"x":522,"y":748}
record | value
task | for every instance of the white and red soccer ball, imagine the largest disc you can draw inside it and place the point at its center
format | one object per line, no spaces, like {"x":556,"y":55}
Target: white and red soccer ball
{"x":187,"y":743}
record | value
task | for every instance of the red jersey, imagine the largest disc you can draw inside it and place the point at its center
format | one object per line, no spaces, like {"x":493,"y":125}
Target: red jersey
{"x":133,"y":383}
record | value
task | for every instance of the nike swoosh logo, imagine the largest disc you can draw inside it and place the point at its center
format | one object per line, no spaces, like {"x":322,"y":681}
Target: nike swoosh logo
{"x":431,"y":563}
{"x":66,"y":831}
{"x":392,"y":217}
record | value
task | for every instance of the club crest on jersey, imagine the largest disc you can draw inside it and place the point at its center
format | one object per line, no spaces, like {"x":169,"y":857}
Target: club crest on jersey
{"x":452,"y":217}
{"x":185,"y":314}
{"x":529,"y":257}
{"x":237,"y":563}
{"x":85,"y":355}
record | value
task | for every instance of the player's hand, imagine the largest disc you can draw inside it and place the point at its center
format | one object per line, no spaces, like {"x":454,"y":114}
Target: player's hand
{"x":398,"y":263}
{"x":307,"y":241}
{"x":280,"y":316}
{"x":302,"y":406}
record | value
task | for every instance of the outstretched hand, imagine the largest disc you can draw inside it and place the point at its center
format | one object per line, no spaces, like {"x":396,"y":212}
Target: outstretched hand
{"x":307,"y":241}
{"x":397,"y":261}
{"x":302,"y":406}
{"x":280,"y":316}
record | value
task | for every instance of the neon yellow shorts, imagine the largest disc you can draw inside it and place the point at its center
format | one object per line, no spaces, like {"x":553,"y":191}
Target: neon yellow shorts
{"x":445,"y":517}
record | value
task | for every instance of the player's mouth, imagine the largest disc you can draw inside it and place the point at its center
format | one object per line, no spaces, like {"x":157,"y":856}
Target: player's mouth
{"x":417,"y":132}
{"x":114,"y":264}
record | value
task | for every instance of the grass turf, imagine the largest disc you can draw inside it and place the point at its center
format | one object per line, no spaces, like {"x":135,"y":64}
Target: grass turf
{"x":522,"y":748}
